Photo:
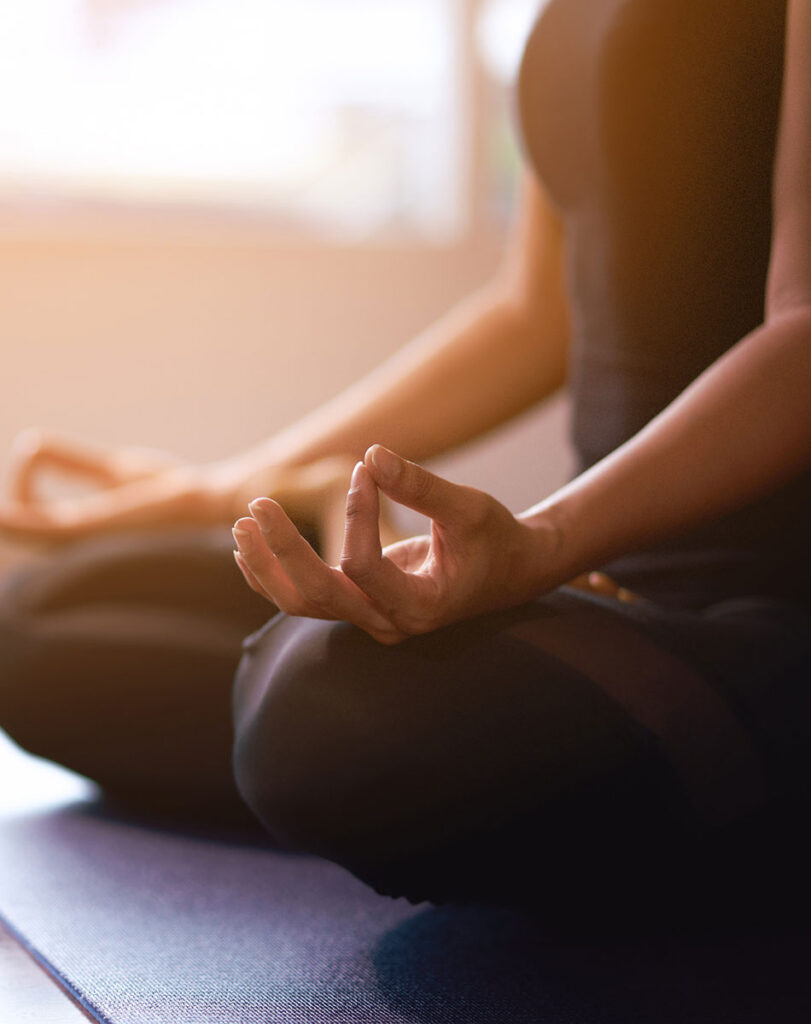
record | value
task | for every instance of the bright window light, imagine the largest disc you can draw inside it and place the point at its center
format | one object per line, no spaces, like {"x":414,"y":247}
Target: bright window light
{"x":341,"y":112}
{"x":501,"y":31}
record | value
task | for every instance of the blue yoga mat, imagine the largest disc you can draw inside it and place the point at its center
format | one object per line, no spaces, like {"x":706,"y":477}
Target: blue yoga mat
{"x":151,"y":927}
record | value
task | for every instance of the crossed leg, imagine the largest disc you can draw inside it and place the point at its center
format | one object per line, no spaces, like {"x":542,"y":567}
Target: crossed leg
{"x":567,"y":739}
{"x":492,"y":758}
{"x":116,"y":659}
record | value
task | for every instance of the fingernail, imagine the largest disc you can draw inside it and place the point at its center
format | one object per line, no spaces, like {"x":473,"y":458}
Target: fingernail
{"x":354,"y":483}
{"x":261,"y":513}
{"x":385,"y":462}
{"x":242,"y":539}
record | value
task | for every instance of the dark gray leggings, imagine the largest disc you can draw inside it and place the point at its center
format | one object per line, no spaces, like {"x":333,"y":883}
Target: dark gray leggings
{"x":562,"y":750}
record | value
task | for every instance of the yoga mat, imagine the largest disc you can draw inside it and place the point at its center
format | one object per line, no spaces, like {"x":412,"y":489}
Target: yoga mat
{"x":151,"y":927}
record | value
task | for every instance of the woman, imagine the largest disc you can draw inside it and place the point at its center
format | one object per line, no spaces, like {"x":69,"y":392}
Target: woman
{"x":444,"y":716}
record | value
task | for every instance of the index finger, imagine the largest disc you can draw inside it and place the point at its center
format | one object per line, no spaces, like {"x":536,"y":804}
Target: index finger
{"x":33,"y":450}
{"x":388,"y":587}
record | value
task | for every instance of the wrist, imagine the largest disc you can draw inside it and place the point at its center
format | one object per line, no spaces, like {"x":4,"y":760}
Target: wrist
{"x":303,"y":490}
{"x":552,"y":557}
{"x":231,"y":483}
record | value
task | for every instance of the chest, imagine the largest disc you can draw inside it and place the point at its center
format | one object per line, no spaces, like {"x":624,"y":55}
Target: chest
{"x":623,"y":92}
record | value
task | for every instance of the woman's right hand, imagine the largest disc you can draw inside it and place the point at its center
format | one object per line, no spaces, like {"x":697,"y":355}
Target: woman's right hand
{"x":108,"y":488}
{"x":139,"y":488}
{"x":36,"y":453}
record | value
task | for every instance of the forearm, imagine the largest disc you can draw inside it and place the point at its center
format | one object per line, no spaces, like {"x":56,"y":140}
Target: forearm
{"x":483,"y":363}
{"x":738,"y":432}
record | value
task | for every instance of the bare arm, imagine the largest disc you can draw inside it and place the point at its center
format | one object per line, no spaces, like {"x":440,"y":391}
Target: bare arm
{"x":738,"y":432}
{"x":487,"y":360}
{"x":490,"y":358}
{"x":743,"y":427}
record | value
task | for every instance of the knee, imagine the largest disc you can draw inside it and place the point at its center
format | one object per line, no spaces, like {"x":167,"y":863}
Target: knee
{"x":24,"y":694}
{"x":303,"y":749}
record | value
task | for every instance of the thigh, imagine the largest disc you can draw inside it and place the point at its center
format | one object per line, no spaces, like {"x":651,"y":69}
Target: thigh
{"x":117,"y":657}
{"x":188,"y":569}
{"x":480,"y":756}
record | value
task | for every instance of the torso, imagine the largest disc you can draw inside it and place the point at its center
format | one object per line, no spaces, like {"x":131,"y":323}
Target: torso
{"x":652,"y":124}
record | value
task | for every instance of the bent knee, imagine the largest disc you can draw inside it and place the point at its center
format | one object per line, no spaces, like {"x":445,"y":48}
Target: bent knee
{"x":305,"y":752}
{"x":26,"y":693}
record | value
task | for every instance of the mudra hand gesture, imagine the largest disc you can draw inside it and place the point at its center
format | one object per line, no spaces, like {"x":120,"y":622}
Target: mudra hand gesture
{"x":130,"y":488}
{"x":477,"y":557}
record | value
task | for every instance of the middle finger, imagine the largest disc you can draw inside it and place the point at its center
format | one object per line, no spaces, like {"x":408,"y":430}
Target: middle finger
{"x":323,"y":588}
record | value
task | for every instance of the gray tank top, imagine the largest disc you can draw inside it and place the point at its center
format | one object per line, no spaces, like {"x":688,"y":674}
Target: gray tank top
{"x":652,"y":124}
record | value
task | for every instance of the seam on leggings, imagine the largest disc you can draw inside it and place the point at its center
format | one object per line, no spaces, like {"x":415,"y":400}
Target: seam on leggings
{"x":706,"y":744}
{"x":255,"y":638}
{"x":660,"y":624}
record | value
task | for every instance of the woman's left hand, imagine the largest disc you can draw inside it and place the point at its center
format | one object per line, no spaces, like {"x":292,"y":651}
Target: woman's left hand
{"x":477,"y":558}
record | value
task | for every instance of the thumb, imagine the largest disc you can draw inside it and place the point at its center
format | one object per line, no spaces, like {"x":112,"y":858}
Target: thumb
{"x":410,"y":485}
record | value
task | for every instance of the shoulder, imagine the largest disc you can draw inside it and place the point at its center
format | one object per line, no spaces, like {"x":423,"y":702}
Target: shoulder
{"x":790,"y":270}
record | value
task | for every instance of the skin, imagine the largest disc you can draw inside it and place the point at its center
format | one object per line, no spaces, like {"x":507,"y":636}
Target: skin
{"x":740,"y":431}
{"x":497,"y":353}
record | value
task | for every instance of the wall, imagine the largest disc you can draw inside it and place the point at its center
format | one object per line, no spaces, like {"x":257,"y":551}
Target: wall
{"x":202,"y":341}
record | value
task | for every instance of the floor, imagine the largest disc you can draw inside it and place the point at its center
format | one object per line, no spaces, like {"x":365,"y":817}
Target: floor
{"x":27,"y":994}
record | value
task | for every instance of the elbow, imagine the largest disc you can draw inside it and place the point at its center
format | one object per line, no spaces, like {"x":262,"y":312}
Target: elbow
{"x":789,"y":304}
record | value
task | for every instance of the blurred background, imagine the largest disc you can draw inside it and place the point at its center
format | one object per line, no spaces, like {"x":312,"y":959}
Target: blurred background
{"x":216,"y":213}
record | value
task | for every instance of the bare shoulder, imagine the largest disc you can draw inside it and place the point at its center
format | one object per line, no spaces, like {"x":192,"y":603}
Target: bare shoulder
{"x":533,"y":270}
{"x":790,"y":270}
